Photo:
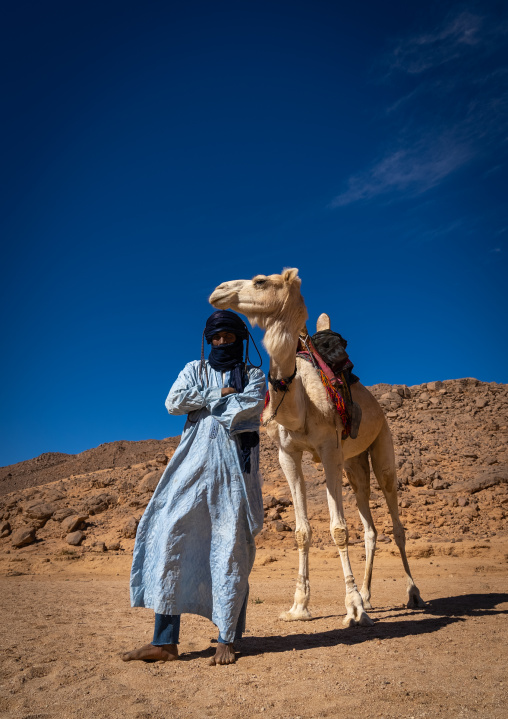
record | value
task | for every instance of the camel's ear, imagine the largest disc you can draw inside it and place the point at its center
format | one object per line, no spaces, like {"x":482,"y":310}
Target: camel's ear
{"x":290,"y":274}
{"x":323,"y":322}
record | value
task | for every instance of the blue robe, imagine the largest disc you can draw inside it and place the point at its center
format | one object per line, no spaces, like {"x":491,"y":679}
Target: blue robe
{"x":195,"y":546}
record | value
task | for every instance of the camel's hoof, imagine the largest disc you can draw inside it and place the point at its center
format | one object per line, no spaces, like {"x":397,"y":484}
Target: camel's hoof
{"x":366,"y":603}
{"x":349,"y":621}
{"x":416,"y":602}
{"x":302,"y":615}
{"x":365,"y":620}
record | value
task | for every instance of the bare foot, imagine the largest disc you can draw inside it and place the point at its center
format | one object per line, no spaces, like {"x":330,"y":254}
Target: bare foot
{"x":225,"y":654}
{"x":151,"y":653}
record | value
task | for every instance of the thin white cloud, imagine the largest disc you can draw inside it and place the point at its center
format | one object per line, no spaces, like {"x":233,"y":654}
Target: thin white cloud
{"x":408,"y":170}
{"x":447,"y":42}
{"x":455,"y":112}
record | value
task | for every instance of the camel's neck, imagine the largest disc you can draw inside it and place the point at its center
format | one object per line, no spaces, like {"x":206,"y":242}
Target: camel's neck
{"x":281,"y":344}
{"x":281,"y":340}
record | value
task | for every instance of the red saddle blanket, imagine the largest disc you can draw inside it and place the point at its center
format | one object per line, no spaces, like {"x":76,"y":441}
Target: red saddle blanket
{"x":335,"y":385}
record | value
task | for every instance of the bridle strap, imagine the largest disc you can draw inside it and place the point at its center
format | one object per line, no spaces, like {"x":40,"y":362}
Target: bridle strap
{"x":283,"y":384}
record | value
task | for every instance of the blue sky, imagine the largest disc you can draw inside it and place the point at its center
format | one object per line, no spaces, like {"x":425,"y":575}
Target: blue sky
{"x":153,"y":150}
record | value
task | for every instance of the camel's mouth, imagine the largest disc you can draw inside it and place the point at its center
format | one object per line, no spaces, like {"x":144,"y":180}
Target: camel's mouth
{"x":221,"y":299}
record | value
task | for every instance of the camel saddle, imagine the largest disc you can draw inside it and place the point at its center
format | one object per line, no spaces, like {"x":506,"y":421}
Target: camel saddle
{"x":326,"y":350}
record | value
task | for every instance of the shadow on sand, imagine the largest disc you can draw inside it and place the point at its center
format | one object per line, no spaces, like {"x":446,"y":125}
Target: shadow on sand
{"x":443,"y":612}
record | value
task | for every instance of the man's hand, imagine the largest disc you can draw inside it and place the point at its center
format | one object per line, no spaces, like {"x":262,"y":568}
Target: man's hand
{"x":228,"y":390}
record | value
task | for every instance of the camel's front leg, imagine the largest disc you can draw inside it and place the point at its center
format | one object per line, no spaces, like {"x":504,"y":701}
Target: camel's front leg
{"x":291,"y":464}
{"x":331,"y":457}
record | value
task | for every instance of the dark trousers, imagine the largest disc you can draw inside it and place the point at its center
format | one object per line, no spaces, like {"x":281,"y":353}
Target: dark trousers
{"x":167,"y":628}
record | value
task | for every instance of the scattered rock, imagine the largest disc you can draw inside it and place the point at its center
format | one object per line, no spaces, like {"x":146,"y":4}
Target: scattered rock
{"x":99,"y":547}
{"x":63,"y":513}
{"x":99,"y":503}
{"x":73,"y":522}
{"x":440,"y":484}
{"x":23,"y":536}
{"x":282,"y":527}
{"x":5,"y":529}
{"x":433,"y":386}
{"x":284,"y":501}
{"x":75,"y":538}
{"x":489,"y":479}
{"x":269,"y":501}
{"x":39,"y":512}
{"x":150,"y":481}
{"x":161,"y":458}
{"x":417,"y":481}
{"x":129,"y":530}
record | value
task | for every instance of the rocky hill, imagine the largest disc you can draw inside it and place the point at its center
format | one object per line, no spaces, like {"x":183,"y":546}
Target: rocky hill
{"x":450,"y":441}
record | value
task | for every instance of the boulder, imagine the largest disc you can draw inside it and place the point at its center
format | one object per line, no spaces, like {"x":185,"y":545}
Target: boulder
{"x":75,"y":538}
{"x":5,"y":529}
{"x":39,"y":510}
{"x":284,"y":501}
{"x":269,"y":501}
{"x":484,"y":481}
{"x":99,"y":503}
{"x":130,"y":528}
{"x":417,"y":481}
{"x":150,"y":481}
{"x":282,"y":527}
{"x":73,"y":522}
{"x":63,"y":513}
{"x":391,"y":399}
{"x":440,"y":484}
{"x":161,"y":458}
{"x":433,"y":386}
{"x":23,"y":536}
{"x":99,"y":547}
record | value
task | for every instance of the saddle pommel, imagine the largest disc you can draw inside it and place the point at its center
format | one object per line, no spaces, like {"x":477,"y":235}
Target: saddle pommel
{"x":323,"y":322}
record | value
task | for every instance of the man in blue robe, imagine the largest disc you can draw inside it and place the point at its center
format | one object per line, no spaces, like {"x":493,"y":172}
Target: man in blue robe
{"x":195,"y":546}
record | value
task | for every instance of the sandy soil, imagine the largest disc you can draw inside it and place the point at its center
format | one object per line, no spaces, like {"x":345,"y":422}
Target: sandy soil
{"x":68,"y":620}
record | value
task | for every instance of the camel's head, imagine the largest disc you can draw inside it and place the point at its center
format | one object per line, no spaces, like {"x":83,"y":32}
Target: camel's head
{"x":264,"y":298}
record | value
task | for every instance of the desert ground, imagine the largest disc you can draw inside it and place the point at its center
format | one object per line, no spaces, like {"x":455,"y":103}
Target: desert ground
{"x":67,"y":527}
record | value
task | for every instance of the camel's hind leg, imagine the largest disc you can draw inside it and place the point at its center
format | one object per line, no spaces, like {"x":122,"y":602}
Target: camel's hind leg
{"x":383,"y":463}
{"x":358,"y":474}
{"x":331,"y":457}
{"x":291,"y":464}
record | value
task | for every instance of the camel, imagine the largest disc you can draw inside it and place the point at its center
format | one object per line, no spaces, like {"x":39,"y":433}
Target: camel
{"x":303,"y":419}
